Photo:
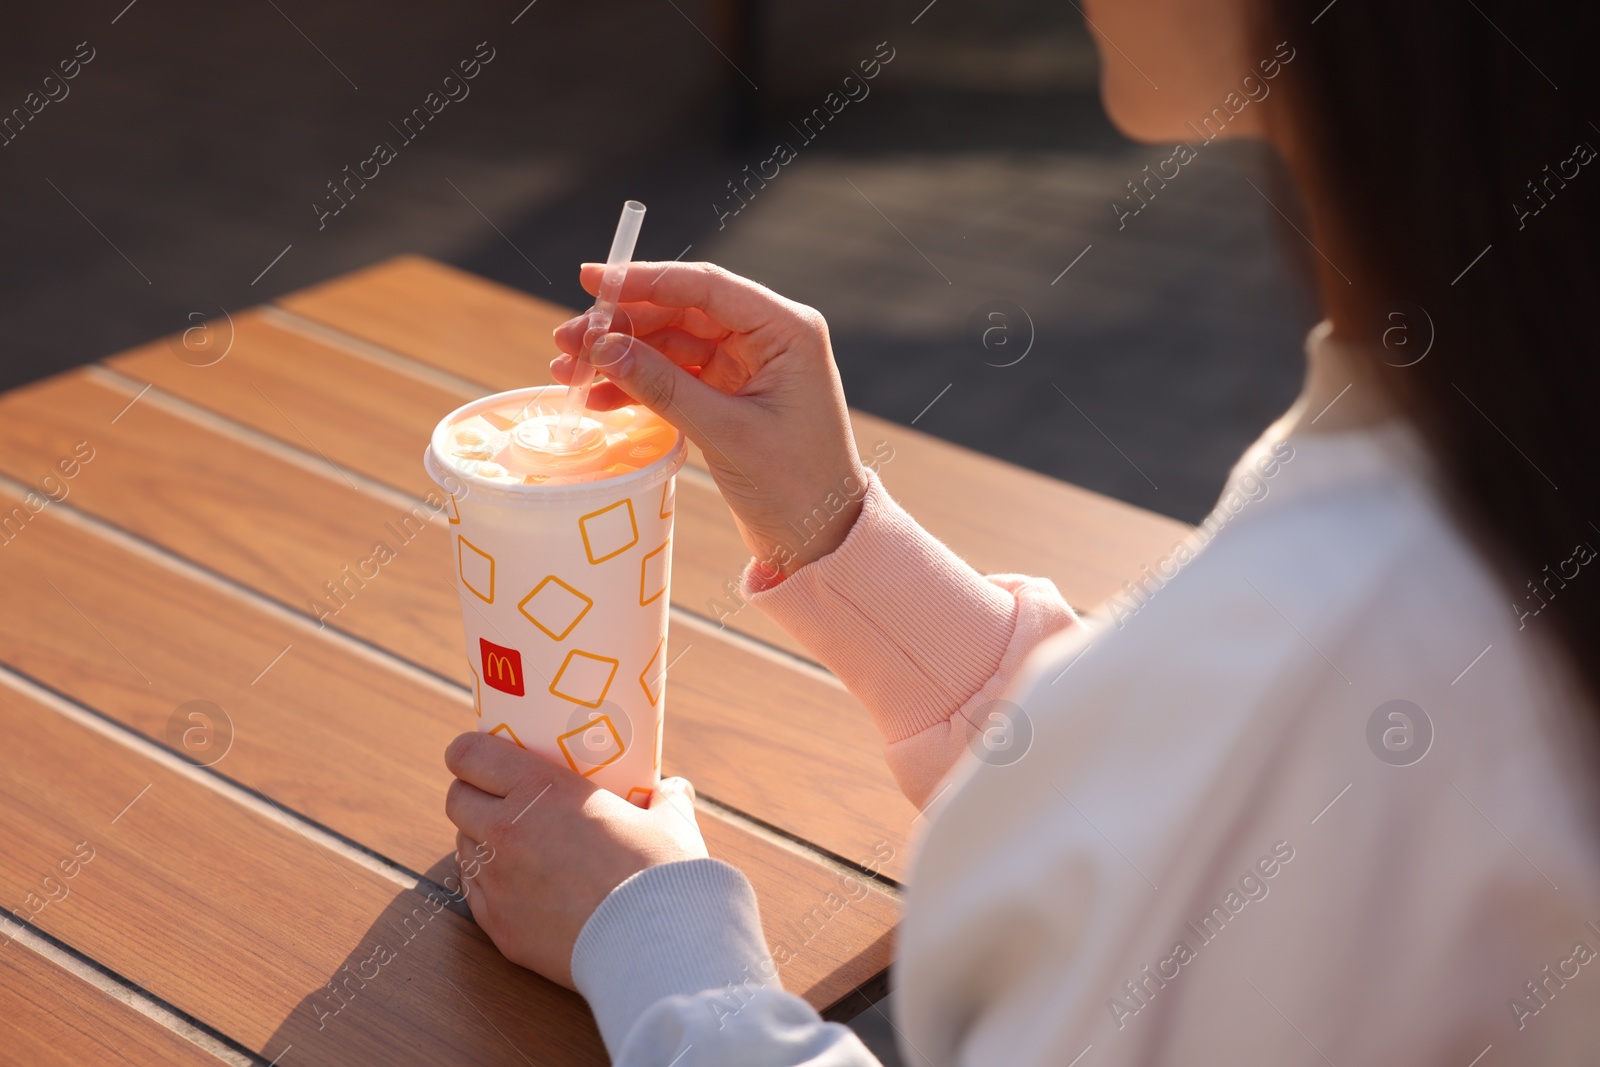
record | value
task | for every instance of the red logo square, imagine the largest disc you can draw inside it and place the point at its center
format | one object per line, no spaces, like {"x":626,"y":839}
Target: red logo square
{"x":502,"y":667}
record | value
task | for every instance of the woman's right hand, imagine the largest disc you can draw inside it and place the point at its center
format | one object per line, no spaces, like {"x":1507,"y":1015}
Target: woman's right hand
{"x":749,"y":377}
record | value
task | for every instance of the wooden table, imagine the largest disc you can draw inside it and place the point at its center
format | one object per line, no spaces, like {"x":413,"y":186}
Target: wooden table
{"x":168,"y":527}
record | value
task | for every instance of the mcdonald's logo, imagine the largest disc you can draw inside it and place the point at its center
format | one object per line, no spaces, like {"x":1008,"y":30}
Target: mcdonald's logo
{"x":502,"y":667}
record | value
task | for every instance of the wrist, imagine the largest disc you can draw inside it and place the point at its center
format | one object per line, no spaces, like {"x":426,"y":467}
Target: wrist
{"x":811,"y":534}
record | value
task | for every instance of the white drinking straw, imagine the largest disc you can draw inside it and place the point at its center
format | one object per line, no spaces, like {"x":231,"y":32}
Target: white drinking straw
{"x":600,"y":316}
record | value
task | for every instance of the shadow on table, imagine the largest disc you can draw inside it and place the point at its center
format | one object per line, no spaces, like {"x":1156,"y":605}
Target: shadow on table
{"x":425,"y":985}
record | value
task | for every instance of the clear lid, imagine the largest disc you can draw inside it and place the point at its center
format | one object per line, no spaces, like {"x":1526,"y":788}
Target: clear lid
{"x":514,"y":439}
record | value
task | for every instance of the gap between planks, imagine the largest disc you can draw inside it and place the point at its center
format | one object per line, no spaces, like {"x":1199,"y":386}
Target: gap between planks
{"x":218,"y":783}
{"x":466,"y":388}
{"x":239,"y":433}
{"x":381,"y":658}
{"x":399,"y":498}
{"x":840,"y":866}
{"x":408,"y":366}
{"x":387,"y":358}
{"x":118,"y":988}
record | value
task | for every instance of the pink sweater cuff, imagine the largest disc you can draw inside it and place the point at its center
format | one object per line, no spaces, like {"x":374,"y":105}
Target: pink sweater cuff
{"x":912,"y":630}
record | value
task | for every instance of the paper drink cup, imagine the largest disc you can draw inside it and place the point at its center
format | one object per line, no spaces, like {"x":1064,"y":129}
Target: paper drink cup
{"x":562,"y":548}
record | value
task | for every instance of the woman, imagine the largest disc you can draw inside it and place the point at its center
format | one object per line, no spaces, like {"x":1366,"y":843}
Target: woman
{"x":1324,"y":792}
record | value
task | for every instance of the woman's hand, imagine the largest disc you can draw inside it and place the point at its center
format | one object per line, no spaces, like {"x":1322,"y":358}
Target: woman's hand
{"x":540,"y":847}
{"x":749,"y":377}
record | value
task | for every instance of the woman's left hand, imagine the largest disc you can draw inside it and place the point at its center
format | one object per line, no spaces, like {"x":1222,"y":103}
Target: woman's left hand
{"x":540,"y":846}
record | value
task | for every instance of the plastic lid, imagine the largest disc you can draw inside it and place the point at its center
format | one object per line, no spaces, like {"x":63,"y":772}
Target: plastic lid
{"x":513,"y":439}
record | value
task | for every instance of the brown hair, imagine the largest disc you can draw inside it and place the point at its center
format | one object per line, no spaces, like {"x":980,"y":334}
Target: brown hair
{"x":1449,"y":173}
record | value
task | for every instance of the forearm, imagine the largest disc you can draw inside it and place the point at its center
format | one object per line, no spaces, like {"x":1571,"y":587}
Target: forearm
{"x":770,"y":1029}
{"x":674,"y":967}
{"x":919,"y":636}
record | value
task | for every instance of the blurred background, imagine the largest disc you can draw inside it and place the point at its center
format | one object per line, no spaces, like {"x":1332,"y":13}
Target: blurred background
{"x":952,"y":219}
{"x":939,"y":210}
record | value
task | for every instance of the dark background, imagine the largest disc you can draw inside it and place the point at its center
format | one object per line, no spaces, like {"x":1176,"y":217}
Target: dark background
{"x":191,"y":149}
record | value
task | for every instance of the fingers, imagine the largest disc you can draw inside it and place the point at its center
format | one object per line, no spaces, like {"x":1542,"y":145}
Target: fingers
{"x":603,"y":397}
{"x":486,"y":761}
{"x":466,"y":861}
{"x":472,"y":856}
{"x":662,"y":386}
{"x":737,"y":303}
{"x":677,"y":795}
{"x":466,"y":848}
{"x":682,"y":348}
{"x":471,"y":809}
{"x":639,"y":319}
{"x":672,"y":802}
{"x":477,"y":902}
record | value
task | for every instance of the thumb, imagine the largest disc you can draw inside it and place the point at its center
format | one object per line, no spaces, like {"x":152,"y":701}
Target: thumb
{"x":661,"y":385}
{"x":676,"y":795}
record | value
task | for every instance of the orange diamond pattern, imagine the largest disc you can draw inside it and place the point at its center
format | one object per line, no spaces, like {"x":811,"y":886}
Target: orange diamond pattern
{"x":591,"y":746}
{"x":609,"y":532}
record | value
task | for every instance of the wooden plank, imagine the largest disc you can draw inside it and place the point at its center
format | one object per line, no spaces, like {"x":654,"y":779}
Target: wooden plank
{"x":793,"y":749}
{"x":260,"y":521}
{"x":348,"y":740}
{"x":242,"y":922}
{"x":373,"y":420}
{"x":282,"y":529}
{"x":309,"y":396}
{"x":52,"y":1018}
{"x":439,"y":315}
{"x":1004,"y":519}
{"x":1000,"y":517}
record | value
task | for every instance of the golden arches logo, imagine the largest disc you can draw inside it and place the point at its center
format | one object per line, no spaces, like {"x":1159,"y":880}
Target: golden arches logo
{"x":502,"y":667}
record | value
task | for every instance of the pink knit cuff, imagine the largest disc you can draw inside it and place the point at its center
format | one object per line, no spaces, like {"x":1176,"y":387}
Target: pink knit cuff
{"x":920,"y":762}
{"x":911,"y":629}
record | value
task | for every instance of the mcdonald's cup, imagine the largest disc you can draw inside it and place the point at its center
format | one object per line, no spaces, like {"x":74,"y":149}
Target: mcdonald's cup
{"x":561,"y":541}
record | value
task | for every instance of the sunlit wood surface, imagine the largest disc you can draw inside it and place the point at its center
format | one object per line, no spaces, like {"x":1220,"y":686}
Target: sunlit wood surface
{"x":233,"y":907}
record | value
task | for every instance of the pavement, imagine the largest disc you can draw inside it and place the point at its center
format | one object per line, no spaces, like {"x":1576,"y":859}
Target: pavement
{"x":972,"y":178}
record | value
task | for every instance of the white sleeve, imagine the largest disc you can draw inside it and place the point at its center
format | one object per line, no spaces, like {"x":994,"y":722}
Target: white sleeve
{"x":674,"y":967}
